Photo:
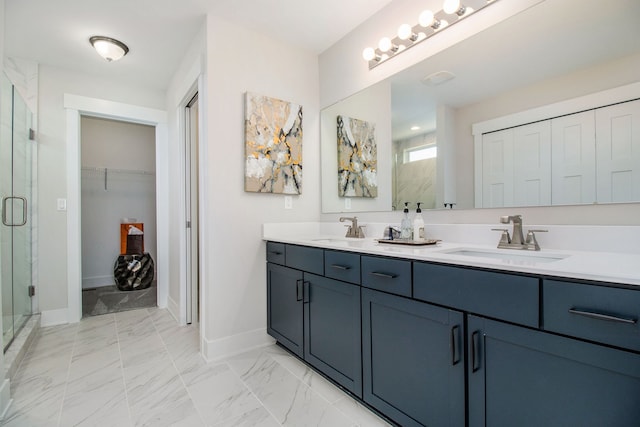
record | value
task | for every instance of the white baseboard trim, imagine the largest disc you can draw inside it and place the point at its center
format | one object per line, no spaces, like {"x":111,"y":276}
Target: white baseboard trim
{"x":97,"y":282}
{"x":174,"y":310}
{"x":5,"y":398}
{"x":229,"y":346}
{"x":54,"y":317}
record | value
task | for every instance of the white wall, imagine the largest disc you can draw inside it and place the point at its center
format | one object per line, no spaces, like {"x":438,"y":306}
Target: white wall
{"x":240,"y":60}
{"x":117,"y":146}
{"x":52,"y":246}
{"x":189,"y":76}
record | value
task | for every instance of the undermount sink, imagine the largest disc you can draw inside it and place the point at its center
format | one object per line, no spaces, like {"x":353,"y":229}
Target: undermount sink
{"x":507,"y":255}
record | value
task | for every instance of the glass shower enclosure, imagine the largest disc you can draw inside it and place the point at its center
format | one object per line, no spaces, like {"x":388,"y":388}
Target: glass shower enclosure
{"x":16,"y":183}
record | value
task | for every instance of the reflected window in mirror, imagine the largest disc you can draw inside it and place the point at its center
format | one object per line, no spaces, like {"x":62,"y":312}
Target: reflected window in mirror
{"x":414,"y":171}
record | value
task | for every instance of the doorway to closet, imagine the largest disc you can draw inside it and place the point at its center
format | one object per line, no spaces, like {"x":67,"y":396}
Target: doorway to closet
{"x":118,"y":210}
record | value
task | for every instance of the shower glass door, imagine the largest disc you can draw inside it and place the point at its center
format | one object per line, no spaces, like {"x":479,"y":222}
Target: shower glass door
{"x":16,"y":151}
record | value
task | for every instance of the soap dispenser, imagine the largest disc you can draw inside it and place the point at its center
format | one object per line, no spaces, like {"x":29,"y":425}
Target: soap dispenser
{"x":405,"y":226}
{"x":418,"y":224}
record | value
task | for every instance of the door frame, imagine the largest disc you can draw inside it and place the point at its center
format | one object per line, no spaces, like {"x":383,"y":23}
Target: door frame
{"x":75,"y":107}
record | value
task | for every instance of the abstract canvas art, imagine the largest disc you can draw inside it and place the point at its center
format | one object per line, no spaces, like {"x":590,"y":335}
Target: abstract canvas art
{"x":357,"y":158}
{"x":273,"y":145}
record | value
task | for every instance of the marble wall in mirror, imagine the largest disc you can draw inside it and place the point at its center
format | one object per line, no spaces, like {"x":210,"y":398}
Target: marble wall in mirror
{"x":556,"y":50}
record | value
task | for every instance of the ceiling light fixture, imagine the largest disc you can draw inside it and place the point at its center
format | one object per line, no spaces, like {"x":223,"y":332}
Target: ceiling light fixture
{"x":110,"y":49}
{"x":429,"y":24}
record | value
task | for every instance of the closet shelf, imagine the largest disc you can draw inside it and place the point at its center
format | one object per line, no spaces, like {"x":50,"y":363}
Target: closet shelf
{"x":106,"y":172}
{"x":110,"y":170}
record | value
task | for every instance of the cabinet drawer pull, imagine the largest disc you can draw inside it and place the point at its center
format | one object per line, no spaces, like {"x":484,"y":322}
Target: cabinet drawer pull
{"x":341,"y":267}
{"x":384,"y":275}
{"x":602,"y":316}
{"x":299,"y":290}
{"x":455,"y":339}
{"x":275,"y":253}
{"x":475,"y":351}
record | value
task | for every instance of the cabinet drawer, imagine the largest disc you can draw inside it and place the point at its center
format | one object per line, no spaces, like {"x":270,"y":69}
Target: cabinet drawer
{"x":275,"y":252}
{"x":501,"y":296}
{"x":598,"y":313}
{"x":305,"y":258}
{"x":386,"y":274}
{"x":343,"y":266}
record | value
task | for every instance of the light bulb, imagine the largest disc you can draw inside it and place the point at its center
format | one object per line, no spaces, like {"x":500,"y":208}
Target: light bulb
{"x":384,"y":44}
{"x":368,"y":54}
{"x":405,"y":31}
{"x":426,"y":18}
{"x":451,"y":6}
{"x":443,"y":24}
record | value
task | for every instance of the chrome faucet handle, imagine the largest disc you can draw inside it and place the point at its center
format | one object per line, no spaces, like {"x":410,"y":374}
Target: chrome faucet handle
{"x":532,"y":242}
{"x":505,"y":239}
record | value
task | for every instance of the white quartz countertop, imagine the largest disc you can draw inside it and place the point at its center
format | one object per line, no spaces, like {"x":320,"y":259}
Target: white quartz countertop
{"x":610,"y":267}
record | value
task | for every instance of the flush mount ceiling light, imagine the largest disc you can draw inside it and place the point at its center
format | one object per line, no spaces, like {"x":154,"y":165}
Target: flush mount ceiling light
{"x":429,"y":24}
{"x":110,"y":49}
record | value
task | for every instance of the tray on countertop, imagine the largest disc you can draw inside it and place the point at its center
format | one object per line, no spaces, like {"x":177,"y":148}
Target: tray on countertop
{"x":409,"y":242}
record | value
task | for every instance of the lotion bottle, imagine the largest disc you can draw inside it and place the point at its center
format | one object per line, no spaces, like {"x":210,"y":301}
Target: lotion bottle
{"x":405,"y":225}
{"x":418,"y":224}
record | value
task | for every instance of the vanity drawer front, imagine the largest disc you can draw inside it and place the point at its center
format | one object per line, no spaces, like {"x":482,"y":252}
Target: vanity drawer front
{"x":275,"y":252}
{"x":387,"y":275}
{"x":343,"y":266}
{"x":597,"y":313}
{"x":305,"y":258}
{"x":502,"y":296}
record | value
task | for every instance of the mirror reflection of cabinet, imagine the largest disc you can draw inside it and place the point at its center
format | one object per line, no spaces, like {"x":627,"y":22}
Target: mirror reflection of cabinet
{"x":591,"y":156}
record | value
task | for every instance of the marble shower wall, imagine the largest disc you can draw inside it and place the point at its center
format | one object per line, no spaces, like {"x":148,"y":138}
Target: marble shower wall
{"x":414,"y":181}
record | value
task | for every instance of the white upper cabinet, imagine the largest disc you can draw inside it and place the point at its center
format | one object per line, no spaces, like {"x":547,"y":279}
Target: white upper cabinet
{"x":618,"y":152}
{"x":573,"y":159}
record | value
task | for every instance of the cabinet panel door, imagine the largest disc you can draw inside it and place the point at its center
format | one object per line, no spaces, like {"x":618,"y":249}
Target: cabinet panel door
{"x":497,"y":169}
{"x":523,"y":377}
{"x":618,"y":152}
{"x":284,"y":307}
{"x":573,"y":159}
{"x":532,"y":173}
{"x":332,"y":333}
{"x":413,"y":362}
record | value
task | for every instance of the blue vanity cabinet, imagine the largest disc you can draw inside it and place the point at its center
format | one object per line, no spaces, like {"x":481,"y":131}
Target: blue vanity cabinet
{"x":316,"y":317}
{"x":525,"y":377}
{"x":413,"y":360}
{"x":285,"y":307}
{"x":332,"y":330}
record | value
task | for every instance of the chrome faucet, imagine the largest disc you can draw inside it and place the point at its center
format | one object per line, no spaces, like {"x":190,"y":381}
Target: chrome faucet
{"x":517,"y":240}
{"x":354,"y":229}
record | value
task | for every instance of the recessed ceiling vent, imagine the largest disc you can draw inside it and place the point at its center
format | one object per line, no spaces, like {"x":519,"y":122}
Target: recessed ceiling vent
{"x":438,"y":78}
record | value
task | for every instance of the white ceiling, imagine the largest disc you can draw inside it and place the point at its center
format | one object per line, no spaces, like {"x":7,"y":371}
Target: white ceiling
{"x":158,"y":32}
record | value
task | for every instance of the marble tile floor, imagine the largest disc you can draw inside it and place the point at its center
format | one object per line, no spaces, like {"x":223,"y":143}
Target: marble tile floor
{"x":139,"y":368}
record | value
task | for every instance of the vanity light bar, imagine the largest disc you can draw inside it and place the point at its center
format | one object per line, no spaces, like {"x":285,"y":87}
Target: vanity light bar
{"x":429,"y":24}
